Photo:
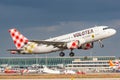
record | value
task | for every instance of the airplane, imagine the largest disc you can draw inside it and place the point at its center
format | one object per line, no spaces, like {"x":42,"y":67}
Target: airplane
{"x":83,"y":39}
{"x":23,"y":71}
{"x":69,"y":72}
{"x":8,"y":70}
{"x":50,"y":71}
{"x":115,"y":65}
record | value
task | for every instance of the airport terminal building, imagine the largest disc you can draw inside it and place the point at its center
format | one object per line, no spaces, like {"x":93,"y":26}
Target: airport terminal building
{"x":93,"y":63}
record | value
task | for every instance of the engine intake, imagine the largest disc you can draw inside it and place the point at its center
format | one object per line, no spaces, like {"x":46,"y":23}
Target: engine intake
{"x":86,"y":46}
{"x":73,"y":44}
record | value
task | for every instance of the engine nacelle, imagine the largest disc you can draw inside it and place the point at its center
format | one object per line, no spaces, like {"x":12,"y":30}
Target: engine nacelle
{"x":73,"y":44}
{"x":86,"y":46}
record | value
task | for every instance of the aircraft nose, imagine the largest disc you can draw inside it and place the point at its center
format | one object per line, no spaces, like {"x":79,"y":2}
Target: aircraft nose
{"x":113,"y":31}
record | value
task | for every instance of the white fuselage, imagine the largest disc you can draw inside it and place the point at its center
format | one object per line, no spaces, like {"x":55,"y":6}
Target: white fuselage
{"x":84,"y":36}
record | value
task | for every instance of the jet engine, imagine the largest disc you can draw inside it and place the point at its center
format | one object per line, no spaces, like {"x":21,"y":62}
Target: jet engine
{"x":86,"y":46}
{"x":73,"y":44}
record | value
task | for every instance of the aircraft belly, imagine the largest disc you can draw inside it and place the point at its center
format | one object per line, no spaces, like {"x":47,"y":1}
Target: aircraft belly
{"x":45,"y":49}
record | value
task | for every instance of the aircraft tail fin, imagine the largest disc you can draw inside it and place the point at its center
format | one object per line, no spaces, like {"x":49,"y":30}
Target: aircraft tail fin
{"x":111,"y":63}
{"x":18,"y":39}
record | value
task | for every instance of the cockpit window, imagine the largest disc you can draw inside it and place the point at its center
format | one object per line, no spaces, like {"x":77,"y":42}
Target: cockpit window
{"x":105,"y":28}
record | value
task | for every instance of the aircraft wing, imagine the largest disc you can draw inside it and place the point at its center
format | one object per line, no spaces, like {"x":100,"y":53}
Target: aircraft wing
{"x":54,"y":43}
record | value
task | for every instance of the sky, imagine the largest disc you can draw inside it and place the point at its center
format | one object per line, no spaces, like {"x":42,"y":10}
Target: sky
{"x":42,"y":19}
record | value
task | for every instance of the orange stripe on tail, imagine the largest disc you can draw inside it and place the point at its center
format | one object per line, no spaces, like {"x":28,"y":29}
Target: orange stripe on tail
{"x":111,"y":63}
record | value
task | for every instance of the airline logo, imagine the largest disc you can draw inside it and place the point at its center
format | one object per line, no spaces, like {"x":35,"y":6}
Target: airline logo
{"x":89,"y":31}
{"x":19,"y":39}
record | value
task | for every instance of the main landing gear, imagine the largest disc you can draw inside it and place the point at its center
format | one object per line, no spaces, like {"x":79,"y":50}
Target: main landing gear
{"x":71,"y":54}
{"x":62,"y":54}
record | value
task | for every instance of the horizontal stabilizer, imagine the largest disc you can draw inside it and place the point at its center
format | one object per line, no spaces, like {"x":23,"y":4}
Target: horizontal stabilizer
{"x":15,"y":50}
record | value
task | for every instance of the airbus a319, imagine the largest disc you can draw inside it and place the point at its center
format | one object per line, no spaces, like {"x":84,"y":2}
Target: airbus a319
{"x":83,"y":39}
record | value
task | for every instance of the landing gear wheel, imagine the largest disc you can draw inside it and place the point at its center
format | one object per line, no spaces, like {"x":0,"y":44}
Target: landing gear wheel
{"x":62,"y":54}
{"x":71,"y":54}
